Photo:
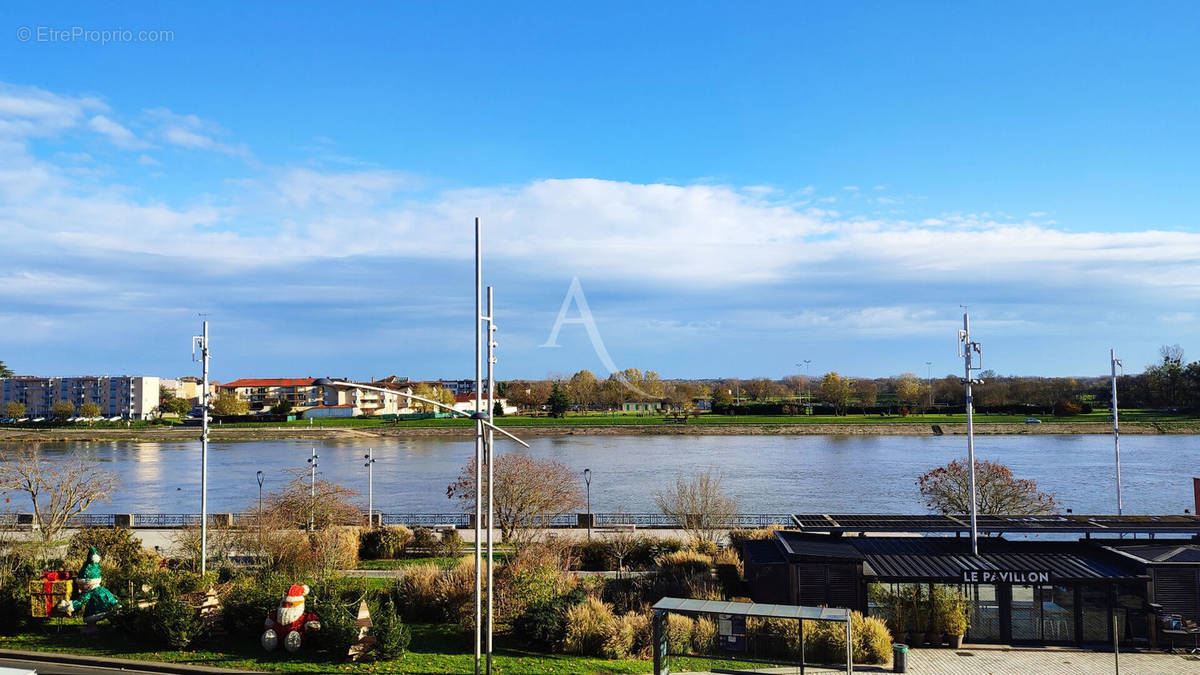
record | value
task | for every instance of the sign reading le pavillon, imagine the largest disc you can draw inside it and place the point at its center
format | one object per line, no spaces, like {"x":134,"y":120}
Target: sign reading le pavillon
{"x":1005,"y":577}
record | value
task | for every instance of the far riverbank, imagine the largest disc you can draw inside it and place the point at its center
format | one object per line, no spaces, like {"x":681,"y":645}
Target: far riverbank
{"x":300,"y":432}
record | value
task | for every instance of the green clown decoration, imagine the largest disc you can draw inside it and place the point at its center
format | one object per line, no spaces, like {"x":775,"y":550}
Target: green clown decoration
{"x":94,"y":599}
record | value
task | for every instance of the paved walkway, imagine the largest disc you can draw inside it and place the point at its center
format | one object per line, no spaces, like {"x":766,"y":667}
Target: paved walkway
{"x":1040,"y":661}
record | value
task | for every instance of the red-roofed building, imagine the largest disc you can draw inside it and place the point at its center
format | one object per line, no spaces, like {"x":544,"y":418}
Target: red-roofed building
{"x":265,"y":392}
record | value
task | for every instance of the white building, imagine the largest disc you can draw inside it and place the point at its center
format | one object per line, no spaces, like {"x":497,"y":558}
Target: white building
{"x":126,"y":396}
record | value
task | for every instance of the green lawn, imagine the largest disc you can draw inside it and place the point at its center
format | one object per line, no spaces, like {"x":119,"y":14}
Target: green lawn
{"x":599,"y":419}
{"x":434,"y":649}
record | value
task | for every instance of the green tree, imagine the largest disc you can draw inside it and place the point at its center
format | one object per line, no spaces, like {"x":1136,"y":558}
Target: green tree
{"x":721,"y":397}
{"x":867,"y":392}
{"x":283,"y":407}
{"x":835,"y":390}
{"x":584,"y":388}
{"x":228,"y":403}
{"x":908,"y":390}
{"x":5,"y":371}
{"x":62,"y":410}
{"x":178,"y":406}
{"x":1167,"y":379}
{"x":89,"y":410}
{"x":559,"y":401}
{"x":14,"y":410}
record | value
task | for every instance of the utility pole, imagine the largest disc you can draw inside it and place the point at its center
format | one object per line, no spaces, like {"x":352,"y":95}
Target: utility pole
{"x":479,"y":416}
{"x":370,"y":457}
{"x":587,"y":480}
{"x":259,"y":476}
{"x":929,"y":381}
{"x":201,"y":342}
{"x":1115,"y":362}
{"x":312,"y":490}
{"x":966,"y":349}
{"x":491,"y":459}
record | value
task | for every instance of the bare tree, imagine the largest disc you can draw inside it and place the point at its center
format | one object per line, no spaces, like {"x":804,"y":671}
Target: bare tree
{"x":58,"y":490}
{"x":301,"y":503}
{"x":946,"y":489}
{"x":699,"y":504}
{"x":529,"y":493}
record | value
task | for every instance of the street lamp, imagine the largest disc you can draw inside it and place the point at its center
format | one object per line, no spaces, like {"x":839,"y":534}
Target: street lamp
{"x":201,"y":341}
{"x":370,"y":457}
{"x":259,"y":476}
{"x":929,"y":380}
{"x":312,"y":489}
{"x":587,"y":480}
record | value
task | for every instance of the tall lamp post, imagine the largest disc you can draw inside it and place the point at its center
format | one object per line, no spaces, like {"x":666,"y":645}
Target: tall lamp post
{"x":967,"y":348}
{"x":370,"y":457}
{"x":808,"y":400}
{"x":1115,"y":362}
{"x":587,"y":480}
{"x":312,"y":489}
{"x":201,"y":342}
{"x":929,"y":380}
{"x":259,"y":476}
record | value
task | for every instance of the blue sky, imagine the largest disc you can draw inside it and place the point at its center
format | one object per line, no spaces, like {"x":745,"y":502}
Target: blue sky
{"x":737,"y":186}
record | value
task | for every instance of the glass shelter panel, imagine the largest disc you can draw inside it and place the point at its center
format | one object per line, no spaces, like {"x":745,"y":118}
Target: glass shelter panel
{"x":983,"y":611}
{"x":1093,"y":606}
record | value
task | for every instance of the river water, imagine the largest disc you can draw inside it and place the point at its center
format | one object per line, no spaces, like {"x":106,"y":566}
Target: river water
{"x":769,"y":474}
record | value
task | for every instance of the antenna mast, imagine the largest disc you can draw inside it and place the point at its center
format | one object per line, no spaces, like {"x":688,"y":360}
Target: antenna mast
{"x":1115,"y":362}
{"x":966,"y":349}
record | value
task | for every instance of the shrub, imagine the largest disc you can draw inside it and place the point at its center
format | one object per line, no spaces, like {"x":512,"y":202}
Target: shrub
{"x":417,"y":593}
{"x":173,"y":623}
{"x":596,"y":555}
{"x":339,"y":629}
{"x":456,"y":592}
{"x":825,"y":641}
{"x":1067,"y":409}
{"x":775,"y":637}
{"x":739,"y":537}
{"x":588,"y":627}
{"x":872,"y":641}
{"x":631,"y":637}
{"x":684,"y":563}
{"x":704,"y":635}
{"x":117,"y":545}
{"x":704,"y":547}
{"x":247,"y":602}
{"x":424,"y":540}
{"x":14,"y":605}
{"x":391,"y":635}
{"x":332,"y":549}
{"x":383,"y":542}
{"x":537,"y":575}
{"x":450,"y":545}
{"x":543,"y":624}
{"x":679,"y":633}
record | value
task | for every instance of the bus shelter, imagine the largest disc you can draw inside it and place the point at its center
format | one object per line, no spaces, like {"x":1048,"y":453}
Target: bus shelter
{"x":731,"y":620}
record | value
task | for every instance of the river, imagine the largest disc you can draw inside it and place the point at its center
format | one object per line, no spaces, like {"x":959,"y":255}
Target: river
{"x":769,"y":474}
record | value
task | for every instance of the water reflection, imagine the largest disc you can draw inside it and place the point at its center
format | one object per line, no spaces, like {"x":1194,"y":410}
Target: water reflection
{"x":770,"y":474}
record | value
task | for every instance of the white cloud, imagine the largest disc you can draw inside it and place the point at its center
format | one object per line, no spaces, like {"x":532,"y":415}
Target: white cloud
{"x":117,"y":134}
{"x":192,"y":132}
{"x":147,"y":160}
{"x":30,"y":111}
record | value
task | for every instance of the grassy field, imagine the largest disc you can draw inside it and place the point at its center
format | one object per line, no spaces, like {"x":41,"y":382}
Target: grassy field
{"x":401,"y":563}
{"x":434,"y":649}
{"x":601,"y":419}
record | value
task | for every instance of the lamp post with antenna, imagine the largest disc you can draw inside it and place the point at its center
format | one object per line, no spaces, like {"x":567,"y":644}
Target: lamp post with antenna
{"x":312,"y":489}
{"x":483,"y":420}
{"x":370,"y":457}
{"x":201,"y":342}
{"x":1116,"y":363}
{"x":966,"y":349}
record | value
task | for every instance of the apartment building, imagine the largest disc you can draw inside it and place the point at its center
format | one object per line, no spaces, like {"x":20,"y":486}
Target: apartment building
{"x":188,"y":387}
{"x":264,"y":392}
{"x":130,"y":397}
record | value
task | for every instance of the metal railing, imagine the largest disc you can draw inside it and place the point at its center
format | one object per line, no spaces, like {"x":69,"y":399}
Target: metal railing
{"x":459,"y":520}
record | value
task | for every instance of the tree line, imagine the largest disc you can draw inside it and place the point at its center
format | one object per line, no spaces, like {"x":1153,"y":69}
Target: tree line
{"x":1171,"y":384}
